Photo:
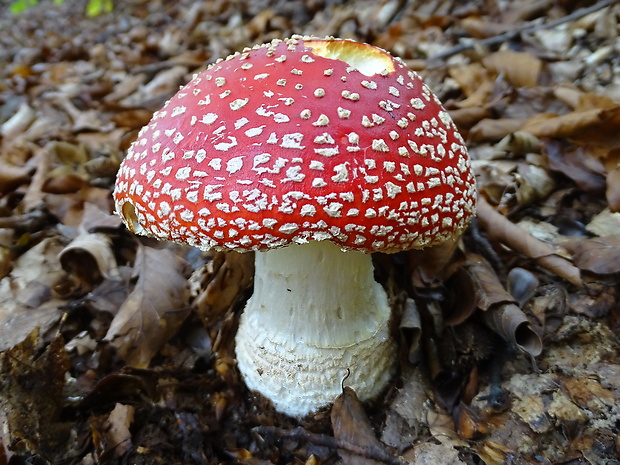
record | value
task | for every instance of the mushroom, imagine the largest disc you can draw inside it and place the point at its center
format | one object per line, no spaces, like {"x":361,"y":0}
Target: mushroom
{"x":313,"y":153}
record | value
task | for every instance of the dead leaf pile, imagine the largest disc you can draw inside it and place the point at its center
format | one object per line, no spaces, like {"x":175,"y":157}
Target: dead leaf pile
{"x":117,"y":349}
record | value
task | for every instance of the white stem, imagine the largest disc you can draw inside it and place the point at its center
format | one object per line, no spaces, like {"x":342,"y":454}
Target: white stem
{"x":316,"y":313}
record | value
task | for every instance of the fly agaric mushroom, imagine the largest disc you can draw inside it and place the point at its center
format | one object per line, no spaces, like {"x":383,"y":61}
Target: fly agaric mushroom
{"x":313,"y":153}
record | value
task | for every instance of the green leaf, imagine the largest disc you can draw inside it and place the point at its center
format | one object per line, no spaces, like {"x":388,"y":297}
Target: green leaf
{"x":21,"y":5}
{"x":97,"y":7}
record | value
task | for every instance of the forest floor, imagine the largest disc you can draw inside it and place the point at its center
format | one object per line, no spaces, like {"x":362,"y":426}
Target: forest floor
{"x":115,"y":349}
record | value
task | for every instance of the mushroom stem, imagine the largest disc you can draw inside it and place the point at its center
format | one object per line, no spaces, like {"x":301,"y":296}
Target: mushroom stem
{"x":316,"y":313}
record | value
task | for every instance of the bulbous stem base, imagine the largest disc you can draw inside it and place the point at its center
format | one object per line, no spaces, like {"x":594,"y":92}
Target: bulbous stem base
{"x":316,"y":314}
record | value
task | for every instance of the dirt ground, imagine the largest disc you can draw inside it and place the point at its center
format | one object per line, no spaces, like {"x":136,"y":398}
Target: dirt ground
{"x":119,"y":349}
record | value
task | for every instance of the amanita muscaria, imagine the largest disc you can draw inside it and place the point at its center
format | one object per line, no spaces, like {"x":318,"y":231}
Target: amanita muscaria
{"x":313,"y":153}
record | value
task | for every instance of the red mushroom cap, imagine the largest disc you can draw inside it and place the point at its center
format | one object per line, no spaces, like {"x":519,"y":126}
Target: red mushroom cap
{"x":298,"y":140}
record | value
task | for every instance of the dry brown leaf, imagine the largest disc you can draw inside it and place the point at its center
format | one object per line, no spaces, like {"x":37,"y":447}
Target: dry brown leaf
{"x":494,"y":129}
{"x":12,"y":176}
{"x":109,"y":295}
{"x":133,"y":119}
{"x":221,"y":282}
{"x":411,"y":325}
{"x":89,"y":257}
{"x":494,"y":454}
{"x":499,"y":310}
{"x":466,"y":117}
{"x":519,"y":143}
{"x":469,"y":423}
{"x":600,"y":255}
{"x":441,"y":426}
{"x":95,"y":218}
{"x":480,"y":29}
{"x":430,"y":263}
{"x":586,"y":171}
{"x":88,"y":120}
{"x":31,"y":399}
{"x":613,"y":189}
{"x":154,"y":310}
{"x":588,"y":393}
{"x":465,"y":305}
{"x":593,"y":126}
{"x":17,"y":124}
{"x":605,"y":223}
{"x":161,"y":87}
{"x":470,"y":77}
{"x":34,"y":194}
{"x":350,"y":424}
{"x":26,"y":299}
{"x":513,"y":326}
{"x":519,"y":68}
{"x":488,"y":289}
{"x":406,"y":416}
{"x":501,"y":229}
{"x":579,"y":100}
{"x":117,"y":428}
{"x":428,"y":453}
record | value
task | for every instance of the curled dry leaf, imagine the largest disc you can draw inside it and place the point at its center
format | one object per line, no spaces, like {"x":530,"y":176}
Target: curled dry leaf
{"x":154,"y":309}
{"x":501,"y":229}
{"x":513,"y":326}
{"x":499,"y":310}
{"x":12,"y":176}
{"x":17,"y":124}
{"x":411,"y":325}
{"x":89,"y":257}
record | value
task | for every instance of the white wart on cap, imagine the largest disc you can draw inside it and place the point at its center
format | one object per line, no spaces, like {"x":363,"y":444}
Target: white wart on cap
{"x":300,"y":140}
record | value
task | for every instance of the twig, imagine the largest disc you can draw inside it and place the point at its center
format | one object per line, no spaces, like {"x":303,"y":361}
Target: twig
{"x":501,"y":229}
{"x":527,"y":28}
{"x":331,"y":442}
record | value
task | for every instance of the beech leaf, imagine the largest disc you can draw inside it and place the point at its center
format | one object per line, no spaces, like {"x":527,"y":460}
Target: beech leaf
{"x":520,"y":69}
{"x":350,"y":424}
{"x":600,"y":255}
{"x":154,"y":310}
{"x":499,"y":310}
